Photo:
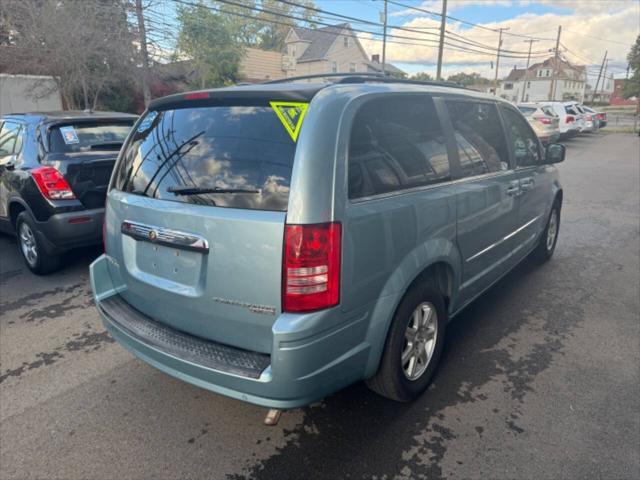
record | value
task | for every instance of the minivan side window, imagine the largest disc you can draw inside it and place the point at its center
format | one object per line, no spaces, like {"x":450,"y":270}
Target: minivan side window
{"x":522,"y":139}
{"x":478,"y":133}
{"x":396,"y":143}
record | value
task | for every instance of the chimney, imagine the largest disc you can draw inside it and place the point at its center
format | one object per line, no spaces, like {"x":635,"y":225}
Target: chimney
{"x":375,"y":58}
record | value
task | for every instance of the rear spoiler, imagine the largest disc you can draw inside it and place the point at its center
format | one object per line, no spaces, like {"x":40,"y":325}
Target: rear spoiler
{"x":236,"y":96}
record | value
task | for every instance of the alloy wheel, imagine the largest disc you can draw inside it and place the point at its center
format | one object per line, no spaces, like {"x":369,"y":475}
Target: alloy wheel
{"x":28,"y":244}
{"x":419,"y":341}
{"x":552,"y":230}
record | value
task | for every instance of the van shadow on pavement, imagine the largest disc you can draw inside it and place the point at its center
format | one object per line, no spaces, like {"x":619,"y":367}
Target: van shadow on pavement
{"x":358,"y":434}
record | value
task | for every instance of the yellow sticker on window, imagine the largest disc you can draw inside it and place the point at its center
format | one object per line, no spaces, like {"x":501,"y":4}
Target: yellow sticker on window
{"x":291,"y":115}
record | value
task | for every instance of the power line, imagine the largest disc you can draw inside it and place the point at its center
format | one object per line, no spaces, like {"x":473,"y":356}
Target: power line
{"x":599,"y":38}
{"x":436,"y":14}
{"x":395,"y":27}
{"x":452,"y":46}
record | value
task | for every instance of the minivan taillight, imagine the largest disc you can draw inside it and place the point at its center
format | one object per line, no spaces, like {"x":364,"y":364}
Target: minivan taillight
{"x":569,"y":119}
{"x":544,"y":120}
{"x":52,"y":184}
{"x":311,"y":267}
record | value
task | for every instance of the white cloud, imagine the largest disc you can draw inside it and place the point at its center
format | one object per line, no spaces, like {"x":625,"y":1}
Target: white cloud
{"x":581,"y":33}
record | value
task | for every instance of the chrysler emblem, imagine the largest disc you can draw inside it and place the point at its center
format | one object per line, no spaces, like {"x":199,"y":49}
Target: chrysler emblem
{"x":153,"y":235}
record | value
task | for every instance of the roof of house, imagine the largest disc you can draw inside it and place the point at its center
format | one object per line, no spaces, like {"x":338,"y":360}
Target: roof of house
{"x":516,"y":74}
{"x":388,"y":68}
{"x":530,"y":73}
{"x":320,"y":40}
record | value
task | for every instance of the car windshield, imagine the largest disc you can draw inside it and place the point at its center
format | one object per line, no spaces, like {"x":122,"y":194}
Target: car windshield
{"x":225,"y":156}
{"x":81,"y":136}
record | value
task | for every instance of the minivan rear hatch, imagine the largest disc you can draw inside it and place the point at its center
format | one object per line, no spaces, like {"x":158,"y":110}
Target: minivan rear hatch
{"x":197,"y":213}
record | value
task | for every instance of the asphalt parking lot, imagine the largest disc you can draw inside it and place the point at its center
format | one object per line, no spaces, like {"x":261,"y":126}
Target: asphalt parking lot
{"x":540,"y":377}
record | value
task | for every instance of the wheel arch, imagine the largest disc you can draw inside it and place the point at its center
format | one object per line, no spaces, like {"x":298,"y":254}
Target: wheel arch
{"x":16,"y":206}
{"x":441,"y":268}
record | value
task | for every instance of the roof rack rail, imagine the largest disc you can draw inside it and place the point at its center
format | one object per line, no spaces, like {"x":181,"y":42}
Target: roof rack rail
{"x":366,"y":77}
{"x":324,"y":75}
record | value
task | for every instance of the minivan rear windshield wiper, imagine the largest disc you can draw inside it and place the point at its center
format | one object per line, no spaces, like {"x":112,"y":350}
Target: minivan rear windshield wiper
{"x":186,"y":190}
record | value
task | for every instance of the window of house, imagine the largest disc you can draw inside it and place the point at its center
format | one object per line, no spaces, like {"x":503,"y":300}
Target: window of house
{"x":508,"y":86}
{"x":334,"y":67}
{"x":396,"y":144}
{"x":478,"y":132}
{"x":346,"y":41}
{"x":546,"y":73}
{"x":352,"y":67}
{"x":528,"y":84}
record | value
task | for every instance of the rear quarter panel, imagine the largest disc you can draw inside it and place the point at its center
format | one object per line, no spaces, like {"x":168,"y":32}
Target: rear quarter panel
{"x":388,"y":241}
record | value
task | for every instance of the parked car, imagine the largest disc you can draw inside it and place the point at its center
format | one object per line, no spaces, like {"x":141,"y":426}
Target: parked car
{"x":54,"y":172}
{"x":543,"y":120}
{"x":600,"y":116}
{"x":570,"y":121}
{"x":275,"y":243}
{"x":590,"y":122}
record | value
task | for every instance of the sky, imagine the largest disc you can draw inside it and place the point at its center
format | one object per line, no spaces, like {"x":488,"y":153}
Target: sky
{"x":589,"y":28}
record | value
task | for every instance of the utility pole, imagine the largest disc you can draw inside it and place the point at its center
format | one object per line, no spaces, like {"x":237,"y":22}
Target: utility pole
{"x":595,"y":90}
{"x":384,"y":39}
{"x":145,"y":54}
{"x":495,"y":81}
{"x":552,"y":87}
{"x":604,"y":78}
{"x":443,"y":23}
{"x":530,"y":42}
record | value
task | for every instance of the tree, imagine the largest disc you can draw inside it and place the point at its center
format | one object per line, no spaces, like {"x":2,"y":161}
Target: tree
{"x":632,"y":85}
{"x":422,"y":76}
{"x":468,"y":79}
{"x":206,"y":39}
{"x":271,"y":35}
{"x":86,"y":46}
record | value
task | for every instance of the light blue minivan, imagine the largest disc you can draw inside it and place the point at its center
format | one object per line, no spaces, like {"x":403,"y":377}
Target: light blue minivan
{"x":278,"y":242}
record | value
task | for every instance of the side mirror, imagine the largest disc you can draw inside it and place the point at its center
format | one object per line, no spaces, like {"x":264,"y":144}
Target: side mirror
{"x":555,"y":153}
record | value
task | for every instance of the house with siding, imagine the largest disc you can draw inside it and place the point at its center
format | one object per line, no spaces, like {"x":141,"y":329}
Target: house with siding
{"x":534,"y":84}
{"x":334,"y":49}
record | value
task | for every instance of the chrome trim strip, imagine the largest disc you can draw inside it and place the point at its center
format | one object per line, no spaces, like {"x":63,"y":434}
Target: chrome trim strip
{"x":504,"y":239}
{"x":422,"y":188}
{"x":165,"y":236}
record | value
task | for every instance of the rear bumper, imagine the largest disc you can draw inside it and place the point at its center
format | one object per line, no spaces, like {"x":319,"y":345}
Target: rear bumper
{"x":64,"y":231}
{"x":549,"y":137}
{"x":302,"y":367}
{"x":589,"y":127}
{"x":569,"y":134}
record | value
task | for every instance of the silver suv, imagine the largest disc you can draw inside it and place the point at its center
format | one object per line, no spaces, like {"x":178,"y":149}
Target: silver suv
{"x":278,"y":242}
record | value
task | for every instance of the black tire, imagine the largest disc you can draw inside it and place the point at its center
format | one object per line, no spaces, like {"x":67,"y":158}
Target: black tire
{"x":544,"y":250}
{"x":41,"y":263}
{"x":391,"y":381}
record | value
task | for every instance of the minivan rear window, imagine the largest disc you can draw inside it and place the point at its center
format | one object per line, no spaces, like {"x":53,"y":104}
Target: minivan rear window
{"x":244,"y":151}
